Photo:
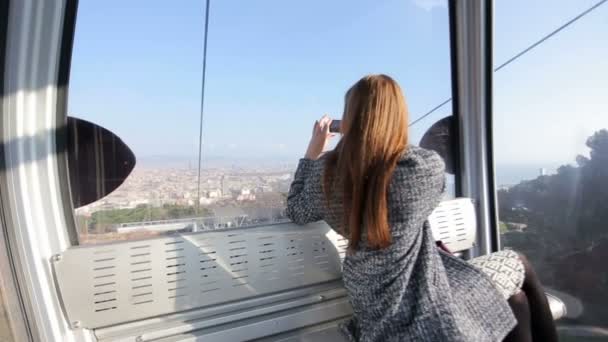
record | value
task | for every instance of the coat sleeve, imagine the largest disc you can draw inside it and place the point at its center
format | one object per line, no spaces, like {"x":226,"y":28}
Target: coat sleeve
{"x":304,"y":201}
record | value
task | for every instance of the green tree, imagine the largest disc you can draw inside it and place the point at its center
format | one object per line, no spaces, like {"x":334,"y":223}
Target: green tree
{"x":567,"y":218}
{"x":106,"y":220}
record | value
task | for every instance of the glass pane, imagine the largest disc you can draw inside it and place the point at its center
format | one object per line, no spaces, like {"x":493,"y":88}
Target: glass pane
{"x":10,"y":324}
{"x":6,"y":333}
{"x":273,"y":67}
{"x":551,"y":141}
{"x":138,"y":76}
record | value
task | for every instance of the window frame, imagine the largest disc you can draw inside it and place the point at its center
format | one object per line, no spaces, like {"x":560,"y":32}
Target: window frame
{"x":471,"y":34}
{"x":35,"y":203}
{"x":12,"y":298}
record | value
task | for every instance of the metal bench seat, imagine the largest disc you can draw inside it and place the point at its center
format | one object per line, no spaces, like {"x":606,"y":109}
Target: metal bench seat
{"x":278,"y":281}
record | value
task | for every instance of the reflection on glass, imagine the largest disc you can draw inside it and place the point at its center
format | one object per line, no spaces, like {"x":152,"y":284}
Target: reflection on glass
{"x":6,"y":334}
{"x":441,"y":137}
{"x":273,"y":67}
{"x":551,"y":143}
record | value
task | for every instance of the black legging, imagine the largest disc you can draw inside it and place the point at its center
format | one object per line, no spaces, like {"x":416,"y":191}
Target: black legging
{"x":531,"y":309}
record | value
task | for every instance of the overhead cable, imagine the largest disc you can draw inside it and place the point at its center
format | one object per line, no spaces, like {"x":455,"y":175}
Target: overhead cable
{"x":202,"y":107}
{"x":521,"y":53}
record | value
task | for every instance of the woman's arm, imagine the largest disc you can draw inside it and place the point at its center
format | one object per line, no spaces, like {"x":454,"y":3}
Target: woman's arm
{"x":305,"y":194}
{"x":304,"y":202}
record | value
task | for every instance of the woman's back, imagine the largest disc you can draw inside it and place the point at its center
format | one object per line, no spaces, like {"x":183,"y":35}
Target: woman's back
{"x":378,"y":192}
{"x":385,"y":279}
{"x":402,"y":292}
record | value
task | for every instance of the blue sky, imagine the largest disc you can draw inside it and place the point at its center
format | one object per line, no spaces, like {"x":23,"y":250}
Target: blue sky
{"x":275,"y":66}
{"x":548,"y":102}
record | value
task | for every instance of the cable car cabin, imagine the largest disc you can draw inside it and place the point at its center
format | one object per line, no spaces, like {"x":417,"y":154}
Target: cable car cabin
{"x":237,"y":284}
{"x":148,"y":205}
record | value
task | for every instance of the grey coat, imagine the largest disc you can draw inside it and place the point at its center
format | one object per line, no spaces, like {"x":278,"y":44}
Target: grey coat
{"x":410,"y":291}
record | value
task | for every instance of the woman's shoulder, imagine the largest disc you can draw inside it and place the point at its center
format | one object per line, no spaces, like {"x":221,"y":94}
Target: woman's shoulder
{"x":418,"y":154}
{"x":418,"y":158}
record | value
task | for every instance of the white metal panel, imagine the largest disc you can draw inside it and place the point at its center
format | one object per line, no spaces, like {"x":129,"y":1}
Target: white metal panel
{"x":264,"y":326}
{"x":122,"y":282}
{"x":557,"y":306}
{"x":325,"y":332}
{"x":228,"y":314}
{"x":183,"y":322}
{"x":454,"y":223}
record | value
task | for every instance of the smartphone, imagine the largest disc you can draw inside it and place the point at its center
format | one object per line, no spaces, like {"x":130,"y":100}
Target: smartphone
{"x":334,"y":126}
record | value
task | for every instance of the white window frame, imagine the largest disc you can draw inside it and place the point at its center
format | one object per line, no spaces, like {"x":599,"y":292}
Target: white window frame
{"x":35,"y":197}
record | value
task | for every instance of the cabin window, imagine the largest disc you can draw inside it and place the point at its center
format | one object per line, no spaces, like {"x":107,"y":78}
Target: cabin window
{"x":6,"y":328}
{"x":12,"y":318}
{"x":272,"y":68}
{"x":551,"y":152}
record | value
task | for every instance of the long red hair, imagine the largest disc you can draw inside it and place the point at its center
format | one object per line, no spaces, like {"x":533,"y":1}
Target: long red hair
{"x":375,"y":135}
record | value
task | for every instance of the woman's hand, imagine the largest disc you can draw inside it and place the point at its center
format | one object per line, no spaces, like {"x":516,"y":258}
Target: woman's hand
{"x":320,"y":138}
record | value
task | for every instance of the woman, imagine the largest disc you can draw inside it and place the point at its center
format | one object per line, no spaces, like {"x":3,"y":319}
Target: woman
{"x":378,"y":191}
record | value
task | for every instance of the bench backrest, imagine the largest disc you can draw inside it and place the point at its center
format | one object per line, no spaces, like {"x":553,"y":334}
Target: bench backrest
{"x":109,"y":284}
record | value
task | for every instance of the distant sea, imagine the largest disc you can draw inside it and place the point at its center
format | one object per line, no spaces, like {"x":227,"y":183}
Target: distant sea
{"x":511,"y":174}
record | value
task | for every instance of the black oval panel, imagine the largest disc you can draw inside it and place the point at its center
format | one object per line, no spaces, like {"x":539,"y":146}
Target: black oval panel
{"x":99,"y":161}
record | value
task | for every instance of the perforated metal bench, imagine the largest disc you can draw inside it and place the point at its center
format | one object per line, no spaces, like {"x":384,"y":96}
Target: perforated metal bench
{"x":271,"y":282}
